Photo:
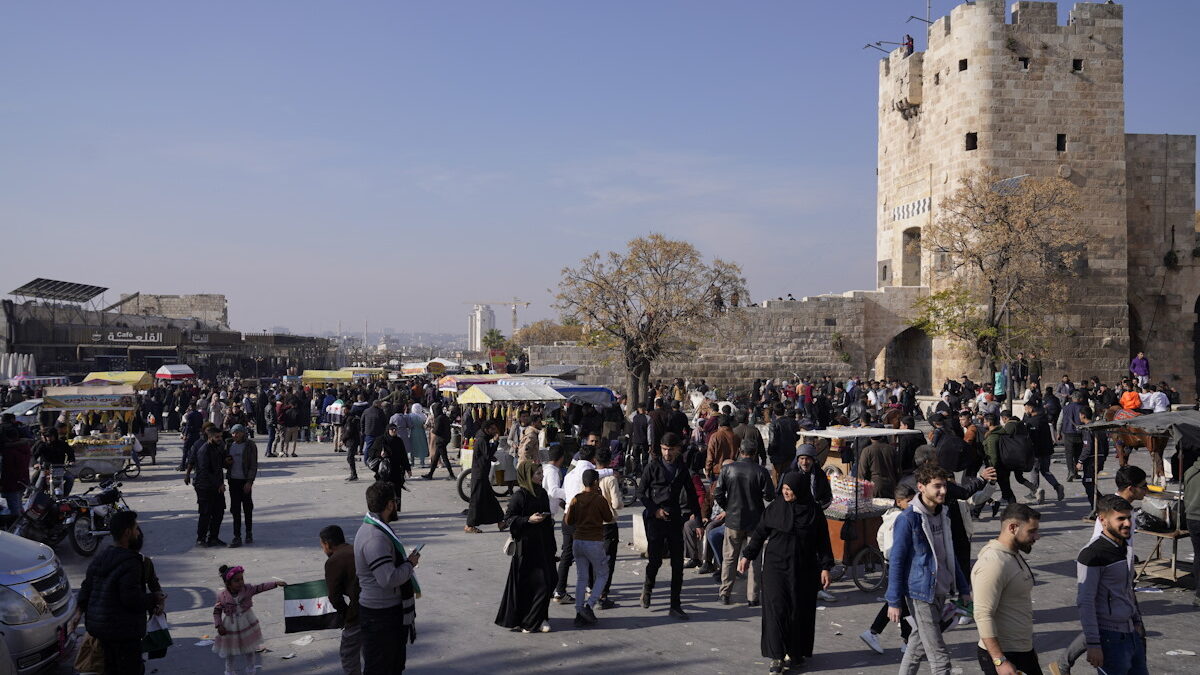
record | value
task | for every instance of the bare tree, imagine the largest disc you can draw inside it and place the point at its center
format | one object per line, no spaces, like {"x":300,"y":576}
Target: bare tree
{"x":1006,"y":252}
{"x":649,"y":302}
{"x":547,"y":332}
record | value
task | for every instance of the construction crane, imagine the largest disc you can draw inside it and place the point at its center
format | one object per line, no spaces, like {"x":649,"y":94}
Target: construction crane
{"x":514,"y":303}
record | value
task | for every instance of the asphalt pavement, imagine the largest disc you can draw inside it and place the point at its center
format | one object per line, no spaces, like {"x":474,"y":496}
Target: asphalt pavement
{"x":462,"y":578}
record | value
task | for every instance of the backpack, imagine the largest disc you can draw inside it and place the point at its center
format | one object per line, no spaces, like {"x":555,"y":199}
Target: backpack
{"x":1016,"y":450}
{"x":952,"y":451}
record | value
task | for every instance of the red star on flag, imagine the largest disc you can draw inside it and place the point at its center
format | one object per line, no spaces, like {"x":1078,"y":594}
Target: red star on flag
{"x":302,"y":607}
{"x":318,"y":605}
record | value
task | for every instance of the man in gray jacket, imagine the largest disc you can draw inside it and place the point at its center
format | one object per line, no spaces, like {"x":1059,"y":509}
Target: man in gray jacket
{"x":1108,"y":609}
{"x":243,"y":469}
{"x":387,"y":586}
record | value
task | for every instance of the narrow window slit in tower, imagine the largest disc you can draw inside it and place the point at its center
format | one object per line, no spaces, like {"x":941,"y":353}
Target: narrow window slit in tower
{"x":962,"y":64}
{"x":972,"y":140}
{"x":1076,"y":65}
{"x":1024,"y":62}
{"x":1061,"y":142}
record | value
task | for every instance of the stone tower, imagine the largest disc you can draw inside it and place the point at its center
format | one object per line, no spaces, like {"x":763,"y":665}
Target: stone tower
{"x":1019,"y":94}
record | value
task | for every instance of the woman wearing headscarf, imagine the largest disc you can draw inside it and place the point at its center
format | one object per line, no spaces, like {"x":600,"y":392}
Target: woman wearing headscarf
{"x":484,"y":508}
{"x":418,"y":441}
{"x":793,"y":538}
{"x":532,"y":575}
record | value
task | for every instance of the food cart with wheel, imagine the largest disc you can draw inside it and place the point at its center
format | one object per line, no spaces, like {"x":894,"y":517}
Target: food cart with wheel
{"x":99,"y":454}
{"x":1180,"y":429}
{"x":856,"y":512}
{"x":498,"y":402}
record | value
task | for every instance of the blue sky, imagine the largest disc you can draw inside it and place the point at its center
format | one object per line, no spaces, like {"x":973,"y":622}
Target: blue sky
{"x":321,"y":161}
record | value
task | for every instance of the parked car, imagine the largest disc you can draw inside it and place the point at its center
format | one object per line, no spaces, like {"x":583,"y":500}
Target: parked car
{"x":26,"y":413}
{"x":36,"y":603}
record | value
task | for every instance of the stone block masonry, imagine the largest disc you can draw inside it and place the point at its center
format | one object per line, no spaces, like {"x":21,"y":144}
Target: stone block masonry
{"x":838,"y":335}
{"x":208,"y":307}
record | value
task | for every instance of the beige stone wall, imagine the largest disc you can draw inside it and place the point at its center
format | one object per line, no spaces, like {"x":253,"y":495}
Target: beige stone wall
{"x":1016,"y":113}
{"x":839,"y":335}
{"x":209,"y":307}
{"x":1161,"y":178}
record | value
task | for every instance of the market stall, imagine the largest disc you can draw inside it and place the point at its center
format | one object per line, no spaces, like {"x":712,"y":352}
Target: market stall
{"x":493,"y":401}
{"x":856,"y":512}
{"x":36,"y":382}
{"x":138,"y":379}
{"x":1181,"y":431}
{"x":175,"y":372}
{"x":100,"y":453}
{"x":326,"y":377}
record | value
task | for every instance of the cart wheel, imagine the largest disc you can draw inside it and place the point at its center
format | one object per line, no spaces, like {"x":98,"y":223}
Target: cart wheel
{"x":87,"y":473}
{"x":464,"y":486}
{"x":869,"y":570}
{"x":508,"y":490}
{"x":130,"y":471}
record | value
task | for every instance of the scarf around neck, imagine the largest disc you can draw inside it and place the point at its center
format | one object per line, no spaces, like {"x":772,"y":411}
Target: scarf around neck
{"x":370,"y":519}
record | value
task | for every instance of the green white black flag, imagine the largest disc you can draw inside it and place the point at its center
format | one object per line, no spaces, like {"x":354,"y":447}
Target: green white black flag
{"x":306,"y":607}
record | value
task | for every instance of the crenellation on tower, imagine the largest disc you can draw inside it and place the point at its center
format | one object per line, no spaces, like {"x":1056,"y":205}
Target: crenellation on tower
{"x":1030,"y":96}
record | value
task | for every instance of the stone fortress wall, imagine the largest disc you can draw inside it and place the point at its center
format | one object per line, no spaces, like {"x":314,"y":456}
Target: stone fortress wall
{"x":1017,"y":93}
{"x":209,"y":307}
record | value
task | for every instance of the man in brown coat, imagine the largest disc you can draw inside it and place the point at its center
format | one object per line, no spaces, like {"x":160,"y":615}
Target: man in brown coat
{"x":722,"y":445}
{"x":341,"y":582}
{"x":877,"y":463}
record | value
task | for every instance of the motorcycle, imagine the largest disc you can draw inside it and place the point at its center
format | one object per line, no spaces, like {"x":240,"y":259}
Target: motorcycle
{"x":97,"y":511}
{"x":83,"y":520}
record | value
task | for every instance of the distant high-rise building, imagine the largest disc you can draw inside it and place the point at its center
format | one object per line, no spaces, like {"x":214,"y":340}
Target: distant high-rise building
{"x":482,"y":320}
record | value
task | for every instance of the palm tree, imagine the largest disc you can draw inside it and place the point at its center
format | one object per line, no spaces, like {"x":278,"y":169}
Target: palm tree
{"x":493,"y":339}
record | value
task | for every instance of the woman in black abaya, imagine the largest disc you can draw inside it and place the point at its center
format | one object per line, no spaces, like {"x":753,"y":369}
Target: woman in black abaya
{"x":793,"y":538}
{"x":484,"y":508}
{"x":531,"y":576}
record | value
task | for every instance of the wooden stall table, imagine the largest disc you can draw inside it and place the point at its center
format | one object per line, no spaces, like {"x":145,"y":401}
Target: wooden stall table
{"x":864,"y":529}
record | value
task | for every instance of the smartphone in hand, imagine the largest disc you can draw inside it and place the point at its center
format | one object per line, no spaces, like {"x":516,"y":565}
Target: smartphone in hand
{"x":417,"y":549}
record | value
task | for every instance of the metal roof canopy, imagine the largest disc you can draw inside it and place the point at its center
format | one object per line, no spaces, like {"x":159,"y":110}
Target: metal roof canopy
{"x":64,"y":291}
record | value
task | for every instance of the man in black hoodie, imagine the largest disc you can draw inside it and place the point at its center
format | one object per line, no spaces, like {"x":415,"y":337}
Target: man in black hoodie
{"x":113,"y":599}
{"x":374,"y":426}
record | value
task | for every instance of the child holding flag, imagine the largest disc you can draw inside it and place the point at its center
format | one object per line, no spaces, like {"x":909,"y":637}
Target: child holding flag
{"x":238,"y":633}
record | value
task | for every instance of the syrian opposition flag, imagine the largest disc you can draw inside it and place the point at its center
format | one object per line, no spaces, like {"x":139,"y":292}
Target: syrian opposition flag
{"x":306,"y":607}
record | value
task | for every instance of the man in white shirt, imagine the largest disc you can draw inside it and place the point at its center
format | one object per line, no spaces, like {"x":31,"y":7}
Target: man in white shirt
{"x":552,"y":480}
{"x":573,"y":485}
{"x":1157,"y":401}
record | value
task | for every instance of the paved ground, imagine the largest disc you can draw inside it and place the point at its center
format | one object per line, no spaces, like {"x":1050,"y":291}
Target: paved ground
{"x":463,"y":575}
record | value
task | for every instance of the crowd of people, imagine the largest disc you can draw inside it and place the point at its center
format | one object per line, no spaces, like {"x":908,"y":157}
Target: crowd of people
{"x":715,"y":493}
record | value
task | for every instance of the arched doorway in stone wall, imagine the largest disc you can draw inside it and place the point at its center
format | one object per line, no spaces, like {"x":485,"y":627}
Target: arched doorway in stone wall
{"x":909,"y":356}
{"x":1136,"y":341}
{"x":910,"y":270}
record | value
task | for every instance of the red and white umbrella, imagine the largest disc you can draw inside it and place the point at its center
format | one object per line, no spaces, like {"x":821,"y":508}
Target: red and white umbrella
{"x":176,"y":371}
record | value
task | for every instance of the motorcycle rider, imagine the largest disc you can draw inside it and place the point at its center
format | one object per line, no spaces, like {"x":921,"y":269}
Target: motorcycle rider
{"x":50,"y":453}
{"x":14,"y":466}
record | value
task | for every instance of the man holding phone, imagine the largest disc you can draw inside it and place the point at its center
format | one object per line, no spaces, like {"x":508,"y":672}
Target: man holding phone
{"x":388,"y":585}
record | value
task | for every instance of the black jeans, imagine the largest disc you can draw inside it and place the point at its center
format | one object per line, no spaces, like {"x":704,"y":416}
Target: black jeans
{"x":664,"y":536}
{"x":881,"y":621}
{"x":440,"y":455}
{"x":211,"y":504}
{"x":1072,"y":446}
{"x":240,"y":500}
{"x":1004,"y":480}
{"x":351,"y":451}
{"x":384,"y":640}
{"x":122,"y":657}
{"x":1026,"y":662}
{"x":565,"y":558}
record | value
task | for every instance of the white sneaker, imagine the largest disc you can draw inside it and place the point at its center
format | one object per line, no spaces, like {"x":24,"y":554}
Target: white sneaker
{"x":872,"y":641}
{"x":545,"y":626}
{"x":826,"y":596}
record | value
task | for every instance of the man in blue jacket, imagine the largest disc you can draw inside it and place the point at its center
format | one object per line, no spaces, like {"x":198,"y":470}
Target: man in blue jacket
{"x":923,"y":571}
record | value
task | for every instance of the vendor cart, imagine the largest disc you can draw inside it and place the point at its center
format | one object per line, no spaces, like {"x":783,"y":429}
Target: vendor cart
{"x":100,"y":454}
{"x":856,"y":512}
{"x":500,"y":402}
{"x":1179,"y":429}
